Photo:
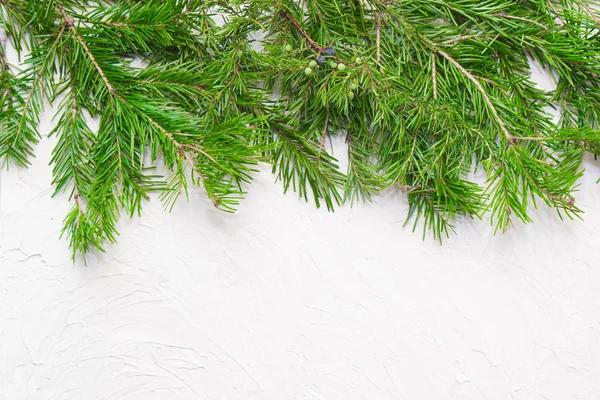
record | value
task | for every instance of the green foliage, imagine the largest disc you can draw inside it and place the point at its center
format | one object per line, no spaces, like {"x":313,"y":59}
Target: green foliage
{"x":425,"y":93}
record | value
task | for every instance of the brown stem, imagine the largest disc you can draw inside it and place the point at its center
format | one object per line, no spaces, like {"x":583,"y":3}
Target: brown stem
{"x":532,"y":139}
{"x":378,"y":21}
{"x":507,"y":16}
{"x":409,"y":189}
{"x":124,"y":25}
{"x":299,"y":28}
{"x":3,"y":59}
{"x":480,"y":88}
{"x":69,"y":23}
{"x":591,"y":12}
{"x":464,"y":37}
{"x":555,"y":11}
{"x":434,"y":76}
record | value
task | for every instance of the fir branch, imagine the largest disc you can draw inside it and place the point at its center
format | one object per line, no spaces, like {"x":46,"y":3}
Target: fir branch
{"x":299,"y":162}
{"x":21,"y":115}
{"x":362,"y":179}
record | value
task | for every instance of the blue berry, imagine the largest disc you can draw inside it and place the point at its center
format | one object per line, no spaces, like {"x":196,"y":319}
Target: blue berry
{"x":320,"y":60}
{"x":329,"y":51}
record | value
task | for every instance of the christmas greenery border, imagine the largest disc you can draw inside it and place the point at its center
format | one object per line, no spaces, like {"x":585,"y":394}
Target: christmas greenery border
{"x":425,"y":93}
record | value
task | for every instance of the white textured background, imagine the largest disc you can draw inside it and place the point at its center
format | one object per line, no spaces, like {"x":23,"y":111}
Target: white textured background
{"x":283,"y":301}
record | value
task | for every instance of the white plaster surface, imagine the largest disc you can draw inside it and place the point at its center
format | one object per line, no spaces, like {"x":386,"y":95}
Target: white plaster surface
{"x":283,"y":301}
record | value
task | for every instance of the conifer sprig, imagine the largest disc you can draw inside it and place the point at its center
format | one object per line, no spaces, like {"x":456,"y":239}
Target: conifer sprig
{"x":425,"y":93}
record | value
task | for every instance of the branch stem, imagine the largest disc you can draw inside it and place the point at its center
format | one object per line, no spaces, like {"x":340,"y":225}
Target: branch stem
{"x":300,"y":29}
{"x":69,"y":23}
{"x":480,"y":88}
{"x":378,"y":33}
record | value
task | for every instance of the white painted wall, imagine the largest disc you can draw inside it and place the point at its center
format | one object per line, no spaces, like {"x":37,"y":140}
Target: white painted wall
{"x":283,"y":301}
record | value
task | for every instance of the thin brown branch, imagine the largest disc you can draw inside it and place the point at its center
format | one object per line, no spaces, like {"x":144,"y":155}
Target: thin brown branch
{"x":124,"y":25}
{"x":480,"y":88}
{"x":495,"y":84}
{"x":533,"y":139}
{"x":109,"y":86}
{"x":299,"y":28}
{"x":7,"y":3}
{"x":508,"y":16}
{"x":464,"y":37}
{"x":200,"y":150}
{"x":378,"y":33}
{"x":556,"y":13}
{"x":413,"y":189}
{"x":182,"y":151}
{"x":3,"y":59}
{"x":69,"y":23}
{"x":591,"y":12}
{"x":181,"y":148}
{"x":409,"y":189}
{"x":190,"y":161}
{"x":434,"y":75}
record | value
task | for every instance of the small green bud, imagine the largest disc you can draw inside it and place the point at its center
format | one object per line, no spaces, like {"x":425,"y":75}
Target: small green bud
{"x":312,"y":64}
{"x":333,"y":64}
{"x":353,"y":86}
{"x":351,"y":95}
{"x":308,"y":71}
{"x":239,"y":53}
{"x":288,"y":47}
{"x":358,"y":60}
{"x":341,"y":66}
